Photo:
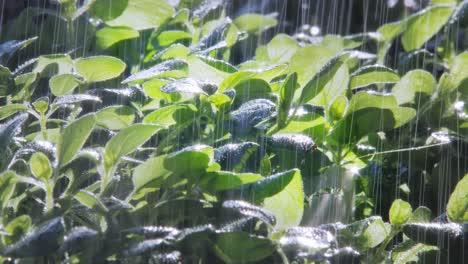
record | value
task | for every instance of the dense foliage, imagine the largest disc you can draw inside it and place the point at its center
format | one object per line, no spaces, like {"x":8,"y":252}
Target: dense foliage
{"x":133,"y":139}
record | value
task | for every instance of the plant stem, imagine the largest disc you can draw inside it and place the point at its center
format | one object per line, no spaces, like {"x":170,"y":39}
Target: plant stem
{"x":43,"y":124}
{"x":49,"y":196}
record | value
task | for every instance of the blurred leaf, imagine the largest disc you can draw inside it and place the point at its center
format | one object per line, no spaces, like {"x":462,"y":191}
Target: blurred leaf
{"x":248,"y":247}
{"x":255,"y":23}
{"x":16,"y":229}
{"x":410,"y":251}
{"x":150,"y":13}
{"x":225,"y":180}
{"x":11,"y":109}
{"x":286,"y":97}
{"x":7,"y":82}
{"x":8,"y":181}
{"x":457,"y":207}
{"x":63,"y":84}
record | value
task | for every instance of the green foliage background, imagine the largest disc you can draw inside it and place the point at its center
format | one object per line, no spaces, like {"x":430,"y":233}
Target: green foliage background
{"x":141,"y":131}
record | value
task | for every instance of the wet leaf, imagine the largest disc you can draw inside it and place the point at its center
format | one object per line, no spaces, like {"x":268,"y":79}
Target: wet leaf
{"x":75,"y":98}
{"x":40,"y":166}
{"x":251,"y":113}
{"x":91,"y":201}
{"x":400,"y":212}
{"x":115,"y":117}
{"x":109,"y":68}
{"x":281,"y":48}
{"x":292,"y":142}
{"x":150,"y":13}
{"x":79,"y":239}
{"x":8,"y":181}
{"x":410,"y":251}
{"x":127,"y":141}
{"x":307,"y":239}
{"x":16,"y":229}
{"x":286,"y":97}
{"x":248,"y":247}
{"x":234,"y":209}
{"x":255,"y":23}
{"x":186,"y":86}
{"x":7,"y":82}
{"x":217,"y":181}
{"x":9,"y":129}
{"x":43,"y":241}
{"x":413,"y":83}
{"x":170,"y":115}
{"x":424,"y":25}
{"x":432,"y":233}
{"x":63,"y":84}
{"x":175,"y":68}
{"x":151,"y":171}
{"x":108,"y":36}
{"x":11,"y":109}
{"x":373,"y":74}
{"x":169,"y":37}
{"x":457,"y":207}
{"x":234,"y":156}
{"x":9,"y":48}
{"x":190,"y":161}
{"x":73,"y":138}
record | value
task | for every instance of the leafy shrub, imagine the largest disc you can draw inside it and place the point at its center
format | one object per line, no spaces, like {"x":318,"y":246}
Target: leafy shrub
{"x":153,"y":147}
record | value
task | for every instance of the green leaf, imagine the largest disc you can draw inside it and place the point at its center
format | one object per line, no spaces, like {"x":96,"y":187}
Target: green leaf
{"x":171,"y":68}
{"x":251,"y":89}
{"x":63,"y":84}
{"x":218,"y":64}
{"x":422,"y":214}
{"x":115,"y":117}
{"x":108,"y":36}
{"x":255,"y":23}
{"x":7,"y":131}
{"x":99,"y":68}
{"x":248,"y":248}
{"x":16,"y":229}
{"x":43,"y":241}
{"x":11,"y":109}
{"x":190,"y":161}
{"x":150,"y":13}
{"x":288,"y":204}
{"x":286,"y":97}
{"x":318,"y":82}
{"x":41,"y":105}
{"x":169,"y":37}
{"x":337,"y":108}
{"x":281,"y":48}
{"x":459,"y":68}
{"x":300,"y":62}
{"x":7,"y":82}
{"x":200,"y":69}
{"x":73,"y":138}
{"x":127,"y":141}
{"x":400,"y":212}
{"x":50,"y":65}
{"x":457,"y":207}
{"x":409,"y":251}
{"x":8,"y":49}
{"x":91,"y":201}
{"x":40,"y":166}
{"x":172,"y":115}
{"x":152,"y":172}
{"x":365,"y":234}
{"x":423,"y":25}
{"x":413,"y":83}
{"x":8,"y":181}
{"x":265,"y":74}
{"x":373,"y":74}
{"x":225,"y":180}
